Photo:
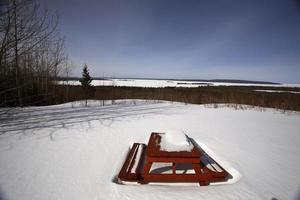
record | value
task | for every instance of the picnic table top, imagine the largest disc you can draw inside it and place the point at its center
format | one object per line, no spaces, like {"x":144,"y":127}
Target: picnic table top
{"x":154,"y":150}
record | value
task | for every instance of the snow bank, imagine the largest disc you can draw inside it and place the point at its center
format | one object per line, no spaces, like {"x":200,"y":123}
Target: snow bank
{"x":174,"y":140}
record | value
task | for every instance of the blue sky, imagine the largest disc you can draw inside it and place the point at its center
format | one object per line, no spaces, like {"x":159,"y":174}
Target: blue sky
{"x":193,"y":39}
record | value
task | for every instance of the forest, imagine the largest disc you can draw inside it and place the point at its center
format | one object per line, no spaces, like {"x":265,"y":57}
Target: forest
{"x":32,"y":53}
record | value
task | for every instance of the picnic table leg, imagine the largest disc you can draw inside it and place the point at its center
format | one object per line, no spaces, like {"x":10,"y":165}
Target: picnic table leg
{"x":146,"y":170}
{"x":198,"y":172}
{"x":174,"y":168}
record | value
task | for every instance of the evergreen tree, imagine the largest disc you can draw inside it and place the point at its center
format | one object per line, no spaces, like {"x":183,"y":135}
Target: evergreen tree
{"x":86,"y":83}
{"x":86,"y":78}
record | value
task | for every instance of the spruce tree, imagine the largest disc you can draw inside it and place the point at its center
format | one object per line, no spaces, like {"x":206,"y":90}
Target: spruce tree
{"x":86,"y":83}
{"x":86,"y":78}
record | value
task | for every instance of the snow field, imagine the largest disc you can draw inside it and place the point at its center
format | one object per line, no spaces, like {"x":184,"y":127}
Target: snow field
{"x":151,"y":83}
{"x":73,"y":152}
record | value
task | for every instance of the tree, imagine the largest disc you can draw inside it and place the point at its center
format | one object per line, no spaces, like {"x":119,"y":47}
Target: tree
{"x":66,"y":71}
{"x":31,"y":53}
{"x":86,"y":82}
{"x":86,"y":78}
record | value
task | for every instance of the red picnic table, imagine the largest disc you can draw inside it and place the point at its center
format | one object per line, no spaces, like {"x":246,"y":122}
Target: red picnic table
{"x":141,"y":158}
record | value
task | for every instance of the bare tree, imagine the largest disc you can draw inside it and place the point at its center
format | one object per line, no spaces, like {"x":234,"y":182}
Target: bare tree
{"x":31,"y":51}
{"x":66,"y":72}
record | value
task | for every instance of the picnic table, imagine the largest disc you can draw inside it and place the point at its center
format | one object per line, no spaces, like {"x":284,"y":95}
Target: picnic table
{"x":140,"y":159}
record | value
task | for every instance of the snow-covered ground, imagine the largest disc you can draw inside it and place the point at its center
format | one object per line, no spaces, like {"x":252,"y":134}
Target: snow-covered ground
{"x":74,"y":152}
{"x":293,"y":92}
{"x":168,"y":83}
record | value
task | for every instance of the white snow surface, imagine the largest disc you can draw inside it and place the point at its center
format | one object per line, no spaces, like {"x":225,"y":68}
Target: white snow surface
{"x":152,"y":83}
{"x":175,"y":140}
{"x":293,"y":92}
{"x":74,"y":152}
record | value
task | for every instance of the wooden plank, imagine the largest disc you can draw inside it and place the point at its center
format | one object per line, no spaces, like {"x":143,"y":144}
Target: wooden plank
{"x":142,"y":161}
{"x":173,"y":159}
{"x":176,"y":177}
{"x":123,"y":171}
{"x":133,"y":160}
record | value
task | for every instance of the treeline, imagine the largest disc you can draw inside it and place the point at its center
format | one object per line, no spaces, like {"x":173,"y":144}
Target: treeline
{"x":31,"y":54}
{"x":201,"y":95}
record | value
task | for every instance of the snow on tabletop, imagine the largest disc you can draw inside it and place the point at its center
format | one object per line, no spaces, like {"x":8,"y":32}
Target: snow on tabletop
{"x":175,"y":140}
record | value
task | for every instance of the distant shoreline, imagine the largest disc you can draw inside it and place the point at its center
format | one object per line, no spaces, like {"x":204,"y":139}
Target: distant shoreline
{"x":193,"y":80}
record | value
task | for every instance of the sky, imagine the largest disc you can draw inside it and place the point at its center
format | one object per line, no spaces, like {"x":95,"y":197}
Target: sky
{"x":188,"y":39}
